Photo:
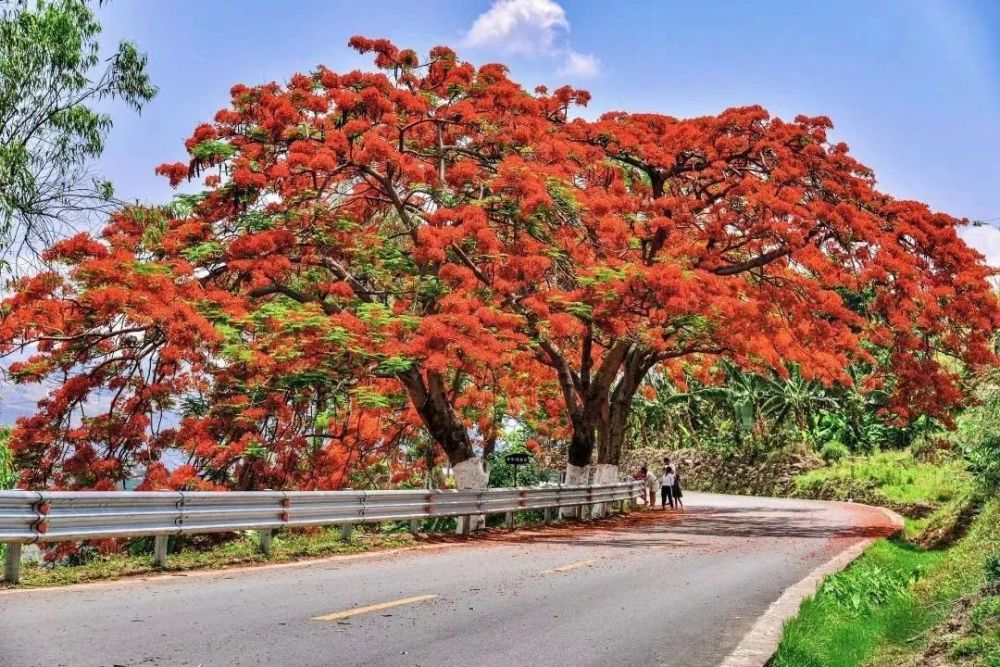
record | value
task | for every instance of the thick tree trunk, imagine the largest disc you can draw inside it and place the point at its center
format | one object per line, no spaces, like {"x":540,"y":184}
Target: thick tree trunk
{"x":582,"y":441}
{"x":581,"y":447}
{"x":436,"y":412}
{"x":430,"y":399}
{"x":613,"y":430}
{"x":604,"y":473}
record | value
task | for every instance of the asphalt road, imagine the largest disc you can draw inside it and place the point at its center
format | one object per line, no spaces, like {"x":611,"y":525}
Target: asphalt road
{"x":676,"y":589}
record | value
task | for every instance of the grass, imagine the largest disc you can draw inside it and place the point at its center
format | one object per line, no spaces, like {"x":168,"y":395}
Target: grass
{"x":243,"y":550}
{"x":895,"y":475}
{"x":880,"y":611}
{"x":860,"y":608}
{"x":212,"y":552}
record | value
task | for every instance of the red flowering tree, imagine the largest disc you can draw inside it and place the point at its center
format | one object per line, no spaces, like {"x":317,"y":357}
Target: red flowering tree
{"x":322,"y":246}
{"x":151,"y":358}
{"x":644,"y":240}
{"x":431,"y":246}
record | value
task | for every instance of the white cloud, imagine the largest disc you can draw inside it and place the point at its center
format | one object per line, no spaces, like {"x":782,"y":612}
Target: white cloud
{"x":986,"y":240}
{"x":537,"y":28}
{"x":582,"y":65}
{"x":527,"y":27}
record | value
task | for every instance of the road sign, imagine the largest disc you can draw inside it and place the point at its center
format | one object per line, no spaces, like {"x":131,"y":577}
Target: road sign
{"x":519,"y":459}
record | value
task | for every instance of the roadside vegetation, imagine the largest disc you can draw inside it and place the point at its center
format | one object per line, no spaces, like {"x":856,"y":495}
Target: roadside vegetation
{"x":930,"y":598}
{"x":208,"y":552}
{"x":884,"y":609}
{"x":925,"y":598}
{"x":918,"y":490}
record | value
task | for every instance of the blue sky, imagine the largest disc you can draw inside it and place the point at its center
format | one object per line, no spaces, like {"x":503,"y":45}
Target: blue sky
{"x":913,"y":86}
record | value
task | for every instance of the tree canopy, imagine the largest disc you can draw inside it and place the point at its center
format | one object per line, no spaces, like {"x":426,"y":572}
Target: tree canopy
{"x":430,"y":250}
{"x":52,"y":79}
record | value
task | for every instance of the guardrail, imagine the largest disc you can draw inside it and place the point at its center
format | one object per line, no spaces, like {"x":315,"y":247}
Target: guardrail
{"x":28,"y":517}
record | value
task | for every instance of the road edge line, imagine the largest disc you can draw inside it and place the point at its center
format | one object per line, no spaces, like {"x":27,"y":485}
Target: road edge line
{"x":760,"y":644}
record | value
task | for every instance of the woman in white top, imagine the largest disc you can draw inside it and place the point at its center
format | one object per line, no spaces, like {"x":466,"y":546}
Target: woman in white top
{"x":667,"y":488}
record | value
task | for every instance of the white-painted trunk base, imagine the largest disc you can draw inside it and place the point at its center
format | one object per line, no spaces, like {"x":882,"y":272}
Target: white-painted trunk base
{"x":575,"y":476}
{"x":470,"y":474}
{"x":604,"y":473}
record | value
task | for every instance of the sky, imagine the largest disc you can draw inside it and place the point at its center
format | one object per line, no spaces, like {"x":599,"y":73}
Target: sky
{"x":913,"y":86}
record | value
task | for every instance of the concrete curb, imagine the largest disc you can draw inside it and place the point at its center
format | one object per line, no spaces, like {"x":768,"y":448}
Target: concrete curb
{"x":760,"y":644}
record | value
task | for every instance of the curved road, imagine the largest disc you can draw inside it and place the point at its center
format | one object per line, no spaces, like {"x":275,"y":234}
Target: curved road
{"x":678,"y":589}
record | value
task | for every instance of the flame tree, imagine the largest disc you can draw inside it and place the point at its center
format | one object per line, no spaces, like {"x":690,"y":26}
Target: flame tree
{"x":432,"y":246}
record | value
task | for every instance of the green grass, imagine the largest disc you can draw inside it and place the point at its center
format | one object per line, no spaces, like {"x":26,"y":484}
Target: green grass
{"x":896,"y":475}
{"x":880,"y":610}
{"x":244,"y":550}
{"x":860,"y":608}
{"x":207,"y":552}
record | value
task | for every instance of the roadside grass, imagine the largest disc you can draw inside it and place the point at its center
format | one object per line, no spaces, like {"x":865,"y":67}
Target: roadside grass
{"x":896,"y":475}
{"x":236,"y":549}
{"x":882,"y":610}
{"x":244,"y":549}
{"x":859,"y":608}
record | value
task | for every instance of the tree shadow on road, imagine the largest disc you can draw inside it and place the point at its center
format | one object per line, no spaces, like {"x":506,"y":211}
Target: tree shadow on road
{"x":656,"y":528}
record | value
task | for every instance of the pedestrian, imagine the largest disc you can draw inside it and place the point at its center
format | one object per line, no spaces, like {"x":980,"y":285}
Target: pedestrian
{"x":667,"y":488}
{"x":667,"y":463}
{"x":676,"y":490}
{"x":640,"y":476}
{"x":650,"y":482}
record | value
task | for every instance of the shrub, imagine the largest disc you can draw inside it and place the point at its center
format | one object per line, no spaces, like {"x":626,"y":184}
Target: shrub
{"x":984,"y":461}
{"x":986,"y":614}
{"x":992,"y":569}
{"x":834,"y":451}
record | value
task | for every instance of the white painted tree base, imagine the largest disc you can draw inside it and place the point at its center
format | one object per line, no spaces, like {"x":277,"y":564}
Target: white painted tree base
{"x":604,"y":473}
{"x":575,"y":476}
{"x":470,"y":474}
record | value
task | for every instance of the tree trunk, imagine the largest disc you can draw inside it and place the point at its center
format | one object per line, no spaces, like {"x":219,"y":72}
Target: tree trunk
{"x":430,"y":399}
{"x":581,"y":447}
{"x":604,"y":473}
{"x":612,"y":432}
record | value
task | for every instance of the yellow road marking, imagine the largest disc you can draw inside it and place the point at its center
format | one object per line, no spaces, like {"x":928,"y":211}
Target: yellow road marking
{"x":347,"y":613}
{"x":571,"y":566}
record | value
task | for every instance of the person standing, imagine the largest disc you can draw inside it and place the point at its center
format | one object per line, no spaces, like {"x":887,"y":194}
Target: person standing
{"x":649,"y":479}
{"x":676,"y":492}
{"x":667,"y":463}
{"x":640,"y":476}
{"x":667,"y":488}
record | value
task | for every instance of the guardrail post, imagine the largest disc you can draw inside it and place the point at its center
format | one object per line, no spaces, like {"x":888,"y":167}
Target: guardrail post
{"x":12,"y":564}
{"x":160,"y":551}
{"x":265,"y":541}
{"x":464,"y":525}
{"x":509,"y":519}
{"x":415,"y":526}
{"x":548,"y":515}
{"x":345,"y":532}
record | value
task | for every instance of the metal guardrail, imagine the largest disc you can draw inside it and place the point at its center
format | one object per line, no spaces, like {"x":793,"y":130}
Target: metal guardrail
{"x":28,"y":517}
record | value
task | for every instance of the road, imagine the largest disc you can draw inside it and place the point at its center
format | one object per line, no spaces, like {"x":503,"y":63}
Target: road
{"x":677,"y":589}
